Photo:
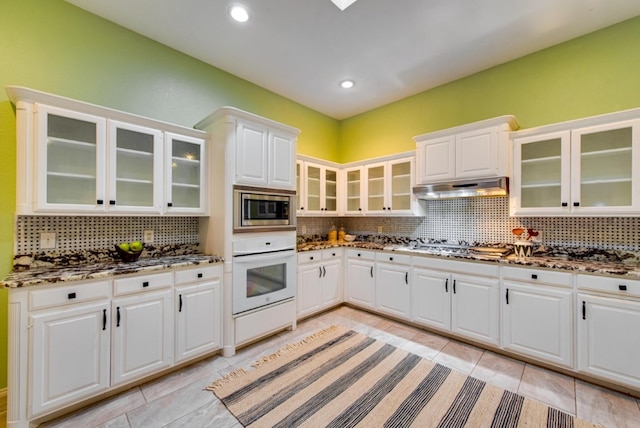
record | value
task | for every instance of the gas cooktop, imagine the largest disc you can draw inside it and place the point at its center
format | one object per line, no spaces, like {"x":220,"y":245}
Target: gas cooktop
{"x":462,"y":250}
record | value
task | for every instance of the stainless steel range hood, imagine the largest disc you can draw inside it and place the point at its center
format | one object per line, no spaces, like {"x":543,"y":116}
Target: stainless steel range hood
{"x":464,"y":189}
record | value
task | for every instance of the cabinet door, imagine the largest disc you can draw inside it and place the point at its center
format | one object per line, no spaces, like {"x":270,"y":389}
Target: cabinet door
{"x":70,"y":161}
{"x":282,"y":157}
{"x":393,"y":292}
{"x":360,"y":283}
{"x":70,"y":356}
{"x":541,"y":174}
{"x":142,"y":339}
{"x":135,"y":168}
{"x":252,"y":154}
{"x":354,"y":190}
{"x":436,"y":160}
{"x":376,"y":188}
{"x":185,"y":172}
{"x":608,"y":338}
{"x":301,"y":193}
{"x":308,"y":289}
{"x":198,"y":319}
{"x":330,"y":191}
{"x":605,"y":161}
{"x":313,"y":185}
{"x":331,"y":286}
{"x":431,"y":298}
{"x":475,"y":308}
{"x":400,"y":187}
{"x":537,"y":321}
{"x":477,"y":153}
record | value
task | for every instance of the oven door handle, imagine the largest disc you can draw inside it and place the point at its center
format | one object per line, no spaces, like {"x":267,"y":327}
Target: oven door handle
{"x":242,"y":254}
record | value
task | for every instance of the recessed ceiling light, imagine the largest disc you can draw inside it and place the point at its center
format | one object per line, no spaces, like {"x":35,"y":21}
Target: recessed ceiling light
{"x":346,"y":84}
{"x":239,"y":13}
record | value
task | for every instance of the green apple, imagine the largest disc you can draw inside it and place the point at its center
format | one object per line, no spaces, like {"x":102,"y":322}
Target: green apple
{"x":124,"y":246}
{"x":135,"y":246}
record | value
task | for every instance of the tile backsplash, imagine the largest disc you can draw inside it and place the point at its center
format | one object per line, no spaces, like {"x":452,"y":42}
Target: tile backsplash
{"x":88,"y":233}
{"x":486,"y":220}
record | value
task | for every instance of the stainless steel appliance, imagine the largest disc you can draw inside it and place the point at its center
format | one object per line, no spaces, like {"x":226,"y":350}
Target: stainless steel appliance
{"x":262,"y":209}
{"x":463,"y":189}
{"x":264,"y":271}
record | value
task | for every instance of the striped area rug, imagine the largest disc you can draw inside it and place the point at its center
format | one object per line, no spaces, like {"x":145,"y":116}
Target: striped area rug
{"x":339,"y":378}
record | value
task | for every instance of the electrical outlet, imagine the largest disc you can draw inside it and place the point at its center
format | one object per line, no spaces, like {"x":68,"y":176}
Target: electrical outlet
{"x":379,"y":229}
{"x":47,"y":240}
{"x":304,"y":230}
{"x":147,"y":237}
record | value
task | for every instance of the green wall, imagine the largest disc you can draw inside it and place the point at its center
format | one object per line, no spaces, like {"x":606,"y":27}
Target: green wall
{"x":590,"y":75}
{"x":55,"y":47}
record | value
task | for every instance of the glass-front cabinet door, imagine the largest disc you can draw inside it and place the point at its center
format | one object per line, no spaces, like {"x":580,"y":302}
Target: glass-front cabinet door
{"x":389,"y":187}
{"x":321,"y":190}
{"x":70,"y":160}
{"x":375,"y":176}
{"x":400,"y":183}
{"x":135,"y":168}
{"x":354,"y":182}
{"x":605,"y":163}
{"x":185,"y":174}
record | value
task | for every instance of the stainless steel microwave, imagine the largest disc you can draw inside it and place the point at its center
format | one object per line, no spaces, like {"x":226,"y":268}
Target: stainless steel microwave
{"x":258,"y":209}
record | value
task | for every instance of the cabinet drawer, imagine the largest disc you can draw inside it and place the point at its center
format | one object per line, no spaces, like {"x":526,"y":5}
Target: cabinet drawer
{"x":309,"y":256}
{"x":620,"y":286}
{"x":198,"y":274}
{"x":451,"y":266}
{"x":400,"y":259}
{"x":142,"y":283}
{"x":538,"y":276}
{"x":331,"y":253}
{"x":361,"y":254}
{"x":69,"y":294}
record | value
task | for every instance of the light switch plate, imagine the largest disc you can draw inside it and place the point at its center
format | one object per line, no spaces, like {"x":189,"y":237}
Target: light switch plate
{"x":304,"y":230}
{"x":47,"y":240}
{"x":379,"y":229}
{"x":147,"y":237}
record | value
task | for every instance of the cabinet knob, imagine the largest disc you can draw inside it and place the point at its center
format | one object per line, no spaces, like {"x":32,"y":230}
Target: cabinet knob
{"x":169,"y":204}
{"x":301,"y":208}
{"x":311,"y":258}
{"x":359,"y":209}
{"x":534,"y":276}
{"x":100,"y":202}
{"x":564,"y":204}
{"x":358,"y":254}
{"x":390,"y":259}
{"x":333,"y":254}
{"x":145,"y":284}
{"x":71,"y":296}
{"x":576,"y":204}
{"x":622,"y":287}
{"x":112,"y":202}
{"x":199,"y":275}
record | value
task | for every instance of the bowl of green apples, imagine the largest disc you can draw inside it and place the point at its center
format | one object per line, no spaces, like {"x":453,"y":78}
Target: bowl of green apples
{"x":129,"y":251}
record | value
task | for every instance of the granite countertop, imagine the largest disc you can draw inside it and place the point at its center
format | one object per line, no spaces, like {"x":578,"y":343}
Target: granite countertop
{"x":49,"y":275}
{"x":580,"y":263}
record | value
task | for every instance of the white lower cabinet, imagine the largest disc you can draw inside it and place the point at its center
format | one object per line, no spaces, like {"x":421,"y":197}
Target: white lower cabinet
{"x":197,"y":317}
{"x":537,"y":319}
{"x":393,"y":290}
{"x":319,"y":281}
{"x":360,"y":282}
{"x":462,"y":303}
{"x":609,"y":329}
{"x":69,"y":355}
{"x":86,"y":337}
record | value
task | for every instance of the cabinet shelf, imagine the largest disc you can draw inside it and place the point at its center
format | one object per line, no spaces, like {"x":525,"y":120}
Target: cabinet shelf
{"x":77,"y":144}
{"x":186,"y":185}
{"x":73,"y":176}
{"x":133,"y":180}
{"x":137,"y":153}
{"x":607,"y":181}
{"x":540,"y":185}
{"x":541,"y":160}
{"x":185,"y":160}
{"x":597,"y":153}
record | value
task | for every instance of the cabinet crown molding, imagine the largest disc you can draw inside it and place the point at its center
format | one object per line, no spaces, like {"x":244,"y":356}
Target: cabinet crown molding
{"x":508,"y":121}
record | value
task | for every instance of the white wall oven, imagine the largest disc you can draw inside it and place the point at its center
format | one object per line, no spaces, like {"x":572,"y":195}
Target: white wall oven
{"x":264,"y":271}
{"x":259,"y":209}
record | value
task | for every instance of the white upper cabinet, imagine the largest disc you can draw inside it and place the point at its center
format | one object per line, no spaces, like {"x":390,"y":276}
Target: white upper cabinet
{"x":264,"y":156}
{"x":476,"y":150}
{"x":185,"y":188}
{"x":389,"y":187}
{"x":354,"y":190}
{"x":585,"y":167}
{"x":79,"y":158}
{"x":318,"y":189}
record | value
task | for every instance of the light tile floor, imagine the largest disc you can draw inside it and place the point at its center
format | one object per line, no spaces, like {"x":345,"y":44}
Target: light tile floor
{"x":178,"y":399}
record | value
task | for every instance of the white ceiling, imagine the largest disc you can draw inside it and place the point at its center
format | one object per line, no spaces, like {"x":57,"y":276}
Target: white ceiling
{"x":302,"y":49}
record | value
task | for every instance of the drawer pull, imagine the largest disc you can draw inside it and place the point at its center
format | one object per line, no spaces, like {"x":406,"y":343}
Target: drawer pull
{"x":199,"y":275}
{"x":406,"y":278}
{"x":71,"y":295}
{"x":333,"y":254}
{"x":311,"y":258}
{"x":390,"y":259}
{"x":319,"y":271}
{"x":534,"y":276}
{"x":454,"y":286}
{"x":358,"y":254}
{"x":324,"y":271}
{"x":622,"y":287}
{"x":371,"y":271}
{"x":145,"y":284}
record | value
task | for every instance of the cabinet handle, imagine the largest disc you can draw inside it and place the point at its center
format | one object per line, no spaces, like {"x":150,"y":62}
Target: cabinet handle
{"x":104,"y":319}
{"x":100,"y":202}
{"x":311,"y":258}
{"x":199,"y":275}
{"x":333,"y":254}
{"x":359,"y":209}
{"x":180,"y":303}
{"x":301,"y":208}
{"x":454,"y":286}
{"x":390,"y":259}
{"x":584,"y":310}
{"x":71,"y":296}
{"x":406,"y":278}
{"x":118,"y":316}
{"x":622,"y":287}
{"x":324,"y":271}
{"x":446,"y":285}
{"x":112,"y":202}
{"x":319,"y":271}
{"x":358,"y":254}
{"x":169,"y":204}
{"x":145,"y":284}
{"x":534,"y":276}
{"x":564,"y":204}
{"x":371,"y":271}
{"x":507,"y":296}
{"x":576,"y":204}
{"x":384,"y":208}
